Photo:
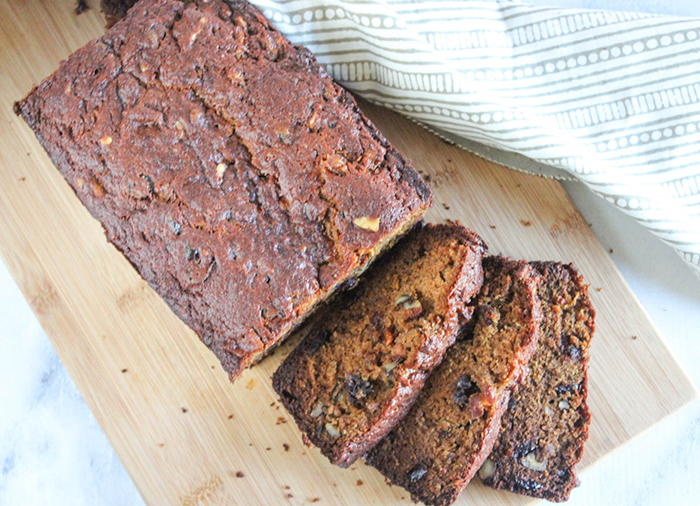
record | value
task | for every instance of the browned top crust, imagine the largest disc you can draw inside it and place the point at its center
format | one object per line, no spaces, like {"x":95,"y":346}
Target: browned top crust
{"x":436,"y":450}
{"x":242,"y":183}
{"x":367,"y":356}
{"x":546,"y":425}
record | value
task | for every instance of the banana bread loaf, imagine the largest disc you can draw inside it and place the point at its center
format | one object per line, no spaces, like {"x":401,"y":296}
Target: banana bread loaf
{"x":436,"y":450}
{"x":240,"y":181}
{"x":546,"y":425}
{"x":367,"y":356}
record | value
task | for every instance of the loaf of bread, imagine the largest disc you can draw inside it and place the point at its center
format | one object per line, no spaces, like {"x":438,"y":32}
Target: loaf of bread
{"x":240,"y":181}
{"x":367,"y":355}
{"x":436,"y":450}
{"x":546,"y":425}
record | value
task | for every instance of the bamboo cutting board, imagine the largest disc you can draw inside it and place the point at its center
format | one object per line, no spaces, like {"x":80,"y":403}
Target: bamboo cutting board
{"x":184,"y":433}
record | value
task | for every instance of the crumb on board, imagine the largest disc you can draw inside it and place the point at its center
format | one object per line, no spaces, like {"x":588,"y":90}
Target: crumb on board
{"x":272,"y":403}
{"x":611,"y":251}
{"x":599,"y":289}
{"x":285,"y":446}
{"x":239,"y":474}
{"x":281,"y":420}
{"x":230,"y":417}
{"x":267,"y":449}
{"x":289,"y":496}
{"x":447,"y":208}
{"x":287,"y":487}
{"x":315,"y":499}
{"x":22,"y":179}
{"x":634,"y":337}
{"x":81,"y":7}
{"x":492,"y":226}
{"x":125,"y":370}
{"x":360,"y":483}
{"x":526,"y":223}
{"x":184,"y":410}
{"x":161,"y":445}
{"x":251,"y":384}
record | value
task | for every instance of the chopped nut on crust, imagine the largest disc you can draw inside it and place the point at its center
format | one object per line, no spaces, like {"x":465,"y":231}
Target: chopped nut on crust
{"x":367,"y":223}
{"x":220,"y":171}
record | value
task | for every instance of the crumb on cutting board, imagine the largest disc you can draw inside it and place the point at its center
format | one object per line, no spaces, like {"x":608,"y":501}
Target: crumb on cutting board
{"x":81,"y":7}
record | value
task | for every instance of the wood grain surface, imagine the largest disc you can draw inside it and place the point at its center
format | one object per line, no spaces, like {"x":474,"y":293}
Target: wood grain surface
{"x":184,"y":433}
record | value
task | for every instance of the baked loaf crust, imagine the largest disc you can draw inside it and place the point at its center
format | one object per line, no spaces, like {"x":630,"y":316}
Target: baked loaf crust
{"x":436,"y":450}
{"x":367,"y":356}
{"x":240,"y":181}
{"x":546,"y":425}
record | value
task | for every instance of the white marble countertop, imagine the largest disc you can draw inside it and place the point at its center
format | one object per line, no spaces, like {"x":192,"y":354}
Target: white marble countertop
{"x":52,"y":451}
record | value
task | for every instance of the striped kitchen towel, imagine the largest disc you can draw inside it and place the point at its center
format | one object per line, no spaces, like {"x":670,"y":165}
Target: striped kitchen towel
{"x":611,"y":99}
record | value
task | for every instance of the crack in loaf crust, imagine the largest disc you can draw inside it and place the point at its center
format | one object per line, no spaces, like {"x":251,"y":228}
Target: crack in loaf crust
{"x":240,"y":181}
{"x":546,"y":425}
{"x":367,"y":356}
{"x":450,"y":430}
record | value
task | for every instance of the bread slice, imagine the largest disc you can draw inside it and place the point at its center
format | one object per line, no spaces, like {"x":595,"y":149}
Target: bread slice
{"x":546,"y":425}
{"x":449,"y":432}
{"x":367,"y":356}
